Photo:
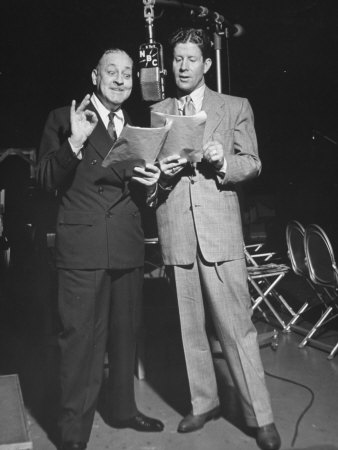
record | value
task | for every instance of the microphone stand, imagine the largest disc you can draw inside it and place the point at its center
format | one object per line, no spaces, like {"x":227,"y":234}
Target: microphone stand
{"x":218,"y":34}
{"x":149,"y":17}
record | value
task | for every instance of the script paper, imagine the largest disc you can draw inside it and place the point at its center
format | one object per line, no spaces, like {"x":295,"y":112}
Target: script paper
{"x":185,"y":136}
{"x":137,"y":143}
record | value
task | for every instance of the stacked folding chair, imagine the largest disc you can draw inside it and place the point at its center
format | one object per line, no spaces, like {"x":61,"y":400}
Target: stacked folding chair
{"x":324,"y":276}
{"x":264,"y":277}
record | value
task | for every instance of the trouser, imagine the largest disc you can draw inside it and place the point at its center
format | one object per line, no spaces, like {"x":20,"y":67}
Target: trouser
{"x":223,"y":288}
{"x":99,"y":311}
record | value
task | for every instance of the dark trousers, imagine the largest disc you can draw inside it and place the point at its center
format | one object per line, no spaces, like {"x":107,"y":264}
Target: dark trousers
{"x":100,"y":311}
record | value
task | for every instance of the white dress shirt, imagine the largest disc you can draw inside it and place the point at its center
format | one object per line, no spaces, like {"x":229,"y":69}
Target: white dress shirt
{"x":104,"y":115}
{"x":197,"y":97}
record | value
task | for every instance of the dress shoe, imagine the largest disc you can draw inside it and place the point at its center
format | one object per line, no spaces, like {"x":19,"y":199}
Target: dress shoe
{"x":268,"y":438}
{"x":139,"y":422}
{"x":73,"y":446}
{"x":193,"y":422}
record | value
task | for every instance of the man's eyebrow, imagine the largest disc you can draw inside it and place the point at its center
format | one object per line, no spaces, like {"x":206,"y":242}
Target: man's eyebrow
{"x":124,"y":68}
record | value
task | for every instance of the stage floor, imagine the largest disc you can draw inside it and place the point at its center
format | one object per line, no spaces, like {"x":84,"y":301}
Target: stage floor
{"x":164,"y":392}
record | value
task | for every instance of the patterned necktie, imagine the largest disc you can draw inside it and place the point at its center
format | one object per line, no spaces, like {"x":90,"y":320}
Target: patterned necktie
{"x":189,"y":107}
{"x":111,"y":127}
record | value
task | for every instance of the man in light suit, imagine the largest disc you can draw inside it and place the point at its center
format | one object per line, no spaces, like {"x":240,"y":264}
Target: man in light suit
{"x":200,"y":233}
{"x":99,"y":251}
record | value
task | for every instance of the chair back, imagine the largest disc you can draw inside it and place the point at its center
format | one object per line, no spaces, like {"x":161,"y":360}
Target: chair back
{"x":320,"y":257}
{"x":295,"y":233}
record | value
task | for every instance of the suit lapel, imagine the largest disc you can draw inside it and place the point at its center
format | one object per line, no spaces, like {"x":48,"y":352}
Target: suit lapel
{"x":213,"y":105}
{"x":100,"y":138}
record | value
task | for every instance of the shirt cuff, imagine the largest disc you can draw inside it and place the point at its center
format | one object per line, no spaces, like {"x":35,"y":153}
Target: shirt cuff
{"x":167,"y":187}
{"x":151,"y":199}
{"x":223,"y":169}
{"x":76,"y":150}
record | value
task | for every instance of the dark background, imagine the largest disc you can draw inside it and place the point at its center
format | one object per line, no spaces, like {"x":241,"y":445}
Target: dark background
{"x":286,"y":63}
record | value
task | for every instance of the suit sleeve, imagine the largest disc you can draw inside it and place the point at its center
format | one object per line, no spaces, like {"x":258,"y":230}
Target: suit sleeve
{"x":243,"y":162}
{"x":56,"y":160}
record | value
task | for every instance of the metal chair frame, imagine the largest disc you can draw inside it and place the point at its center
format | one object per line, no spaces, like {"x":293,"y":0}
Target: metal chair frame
{"x":295,"y":237}
{"x":326,"y":278}
{"x":264,"y":279}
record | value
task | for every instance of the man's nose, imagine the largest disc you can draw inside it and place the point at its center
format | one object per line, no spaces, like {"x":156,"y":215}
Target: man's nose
{"x":184,"y":65}
{"x":119,"y":79}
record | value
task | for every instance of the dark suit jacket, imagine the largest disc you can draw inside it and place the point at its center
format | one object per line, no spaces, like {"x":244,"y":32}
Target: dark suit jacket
{"x":98,"y":222}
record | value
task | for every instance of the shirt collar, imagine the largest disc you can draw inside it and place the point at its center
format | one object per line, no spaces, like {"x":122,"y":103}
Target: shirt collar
{"x":103,"y":111}
{"x":197,"y":97}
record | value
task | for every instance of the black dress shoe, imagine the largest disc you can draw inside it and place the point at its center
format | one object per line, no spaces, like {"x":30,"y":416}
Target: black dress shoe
{"x":195,"y":422}
{"x":139,"y":422}
{"x":268,"y":438}
{"x":73,"y":446}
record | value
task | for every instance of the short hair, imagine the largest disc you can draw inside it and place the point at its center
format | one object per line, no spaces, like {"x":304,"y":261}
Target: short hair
{"x":113,"y":50}
{"x":195,"y":35}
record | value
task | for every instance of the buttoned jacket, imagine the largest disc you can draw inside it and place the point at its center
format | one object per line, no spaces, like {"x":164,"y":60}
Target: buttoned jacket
{"x":202,"y":209}
{"x":98,"y":223}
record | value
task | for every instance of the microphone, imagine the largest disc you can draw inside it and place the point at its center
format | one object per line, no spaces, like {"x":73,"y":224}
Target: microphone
{"x":151,"y":71}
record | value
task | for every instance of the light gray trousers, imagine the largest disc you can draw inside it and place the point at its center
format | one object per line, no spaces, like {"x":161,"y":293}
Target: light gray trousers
{"x":224,"y":289}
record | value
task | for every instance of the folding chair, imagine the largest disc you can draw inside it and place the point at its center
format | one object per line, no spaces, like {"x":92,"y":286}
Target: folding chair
{"x":295,"y":233}
{"x":254,"y":253}
{"x":324,"y":274}
{"x":263,"y":280}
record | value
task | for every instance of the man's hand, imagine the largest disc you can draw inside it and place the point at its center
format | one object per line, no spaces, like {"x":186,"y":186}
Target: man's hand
{"x":171,"y":166}
{"x":83,"y":121}
{"x":148,"y":176}
{"x":213,"y":153}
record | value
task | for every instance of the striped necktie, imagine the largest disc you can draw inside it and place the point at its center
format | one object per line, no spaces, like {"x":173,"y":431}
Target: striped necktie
{"x":189,"y":107}
{"x":111,"y":127}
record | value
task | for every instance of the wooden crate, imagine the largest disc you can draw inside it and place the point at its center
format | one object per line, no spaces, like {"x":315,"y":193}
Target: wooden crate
{"x":14,"y":433}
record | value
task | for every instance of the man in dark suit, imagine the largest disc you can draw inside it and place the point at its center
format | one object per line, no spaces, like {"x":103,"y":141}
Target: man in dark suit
{"x":200,"y":233}
{"x":99,"y":251}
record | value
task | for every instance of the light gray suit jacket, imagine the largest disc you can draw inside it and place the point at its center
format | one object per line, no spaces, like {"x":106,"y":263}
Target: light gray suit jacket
{"x":202,"y":209}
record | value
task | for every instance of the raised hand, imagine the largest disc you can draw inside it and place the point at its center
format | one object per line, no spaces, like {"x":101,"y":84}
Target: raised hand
{"x":83,"y":121}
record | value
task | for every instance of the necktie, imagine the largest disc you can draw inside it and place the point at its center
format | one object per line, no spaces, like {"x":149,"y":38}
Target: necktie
{"x":189,"y":107}
{"x":111,"y":126}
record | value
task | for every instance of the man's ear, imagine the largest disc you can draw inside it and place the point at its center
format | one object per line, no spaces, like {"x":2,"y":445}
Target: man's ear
{"x":207,"y":64}
{"x":94,"y":76}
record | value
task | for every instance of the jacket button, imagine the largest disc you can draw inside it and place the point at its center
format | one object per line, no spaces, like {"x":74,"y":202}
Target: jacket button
{"x":93,"y":162}
{"x":100,"y":189}
{"x":192,"y":181}
{"x":109,"y":215}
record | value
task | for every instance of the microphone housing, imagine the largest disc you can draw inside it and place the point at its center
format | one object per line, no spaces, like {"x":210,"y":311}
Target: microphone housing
{"x":151,"y":72}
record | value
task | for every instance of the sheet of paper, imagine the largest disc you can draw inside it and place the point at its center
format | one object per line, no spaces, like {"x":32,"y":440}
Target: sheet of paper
{"x":137,"y":143}
{"x":185,"y":136}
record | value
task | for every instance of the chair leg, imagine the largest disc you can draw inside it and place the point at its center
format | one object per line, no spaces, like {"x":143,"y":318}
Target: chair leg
{"x":333,"y":352}
{"x":263,"y":298}
{"x":315,"y":328}
{"x":296,"y":316}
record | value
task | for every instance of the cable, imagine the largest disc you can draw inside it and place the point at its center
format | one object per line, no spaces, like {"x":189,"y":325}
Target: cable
{"x":306,"y":408}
